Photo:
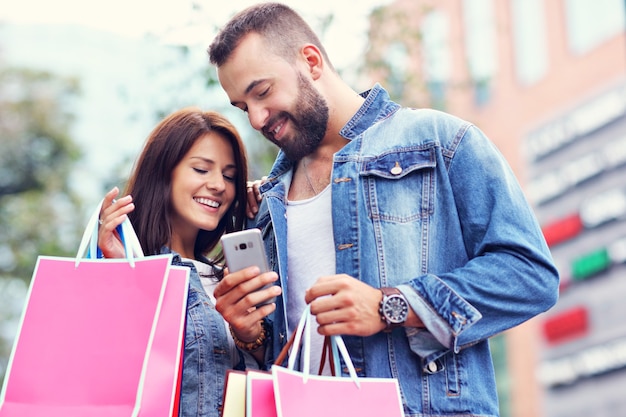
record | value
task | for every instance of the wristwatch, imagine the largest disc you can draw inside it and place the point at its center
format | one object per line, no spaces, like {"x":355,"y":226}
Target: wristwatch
{"x":394,"y":309}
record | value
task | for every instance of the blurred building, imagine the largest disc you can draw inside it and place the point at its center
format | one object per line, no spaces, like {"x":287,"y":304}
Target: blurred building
{"x":546,"y":80}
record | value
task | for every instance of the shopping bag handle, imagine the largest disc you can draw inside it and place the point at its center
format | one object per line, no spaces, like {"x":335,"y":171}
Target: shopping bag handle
{"x":132,"y":247}
{"x":335,"y":346}
{"x":329,"y":350}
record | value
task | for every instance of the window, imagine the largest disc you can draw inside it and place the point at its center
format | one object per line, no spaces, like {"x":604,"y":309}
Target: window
{"x":480,"y":45}
{"x":589,"y":23}
{"x":529,"y":39}
{"x":397,"y":58}
{"x":437,"y":62}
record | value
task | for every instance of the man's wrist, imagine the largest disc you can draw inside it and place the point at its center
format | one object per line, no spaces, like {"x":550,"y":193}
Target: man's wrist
{"x":393,"y":308}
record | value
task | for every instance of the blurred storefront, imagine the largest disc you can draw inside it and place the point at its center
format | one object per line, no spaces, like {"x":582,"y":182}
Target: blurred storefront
{"x":579,"y":188}
{"x":546,"y":80}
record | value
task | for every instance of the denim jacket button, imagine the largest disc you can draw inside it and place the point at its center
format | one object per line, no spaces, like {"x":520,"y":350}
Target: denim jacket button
{"x":432,"y":366}
{"x":397,"y":169}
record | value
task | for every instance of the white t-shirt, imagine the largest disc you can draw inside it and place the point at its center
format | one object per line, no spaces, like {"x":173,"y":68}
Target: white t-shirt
{"x":209,"y":282}
{"x":311,"y":251}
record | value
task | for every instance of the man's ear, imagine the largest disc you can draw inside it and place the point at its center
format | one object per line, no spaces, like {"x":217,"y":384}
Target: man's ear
{"x":314,"y":60}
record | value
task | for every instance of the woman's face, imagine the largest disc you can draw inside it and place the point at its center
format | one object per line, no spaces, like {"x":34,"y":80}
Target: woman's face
{"x":203,"y":186}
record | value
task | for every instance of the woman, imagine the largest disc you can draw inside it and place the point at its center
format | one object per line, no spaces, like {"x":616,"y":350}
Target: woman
{"x":188,"y":187}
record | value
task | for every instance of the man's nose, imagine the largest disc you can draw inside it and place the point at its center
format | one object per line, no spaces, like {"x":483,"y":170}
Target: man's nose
{"x":257,"y":116}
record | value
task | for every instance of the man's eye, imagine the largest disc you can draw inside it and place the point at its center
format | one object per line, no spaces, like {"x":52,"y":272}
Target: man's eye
{"x":264,"y":92}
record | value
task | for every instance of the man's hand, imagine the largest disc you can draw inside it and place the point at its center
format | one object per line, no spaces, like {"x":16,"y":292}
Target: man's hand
{"x":345,"y":305}
{"x":254,"y":197}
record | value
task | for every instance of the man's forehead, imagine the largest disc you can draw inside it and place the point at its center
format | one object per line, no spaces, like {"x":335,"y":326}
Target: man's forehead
{"x":243,"y":70}
{"x":236,"y":76}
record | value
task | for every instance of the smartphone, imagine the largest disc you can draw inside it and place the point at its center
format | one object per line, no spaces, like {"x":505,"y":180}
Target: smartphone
{"x":243,"y":249}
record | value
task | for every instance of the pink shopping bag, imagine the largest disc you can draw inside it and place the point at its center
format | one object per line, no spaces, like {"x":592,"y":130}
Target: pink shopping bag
{"x":334,"y":396}
{"x":300,"y":394}
{"x":98,"y":338}
{"x":161,"y":390}
{"x":260,"y":401}
{"x":251,"y":393}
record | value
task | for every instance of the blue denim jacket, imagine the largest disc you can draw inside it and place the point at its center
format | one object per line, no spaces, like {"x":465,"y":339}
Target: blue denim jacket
{"x":206,"y":356}
{"x":423,"y":201}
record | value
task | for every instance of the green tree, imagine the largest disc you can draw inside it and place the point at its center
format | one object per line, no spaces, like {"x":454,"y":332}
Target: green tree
{"x":37,"y":206}
{"x":36,"y":200}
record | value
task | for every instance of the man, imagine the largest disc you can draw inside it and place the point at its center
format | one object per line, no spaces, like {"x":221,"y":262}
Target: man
{"x":405,"y":230}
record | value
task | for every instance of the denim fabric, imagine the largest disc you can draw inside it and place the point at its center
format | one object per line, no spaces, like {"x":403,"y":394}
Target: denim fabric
{"x":206,"y":356}
{"x":423,"y":201}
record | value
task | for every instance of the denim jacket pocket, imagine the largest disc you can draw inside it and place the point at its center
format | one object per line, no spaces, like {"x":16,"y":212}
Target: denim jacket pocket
{"x":395,"y":181}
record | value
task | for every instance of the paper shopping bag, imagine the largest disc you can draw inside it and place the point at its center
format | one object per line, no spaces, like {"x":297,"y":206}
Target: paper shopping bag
{"x":161,"y":390}
{"x":334,"y":396}
{"x":300,"y":394}
{"x":98,"y":338}
{"x":251,"y":393}
{"x":234,"y":394}
{"x":260,"y":400}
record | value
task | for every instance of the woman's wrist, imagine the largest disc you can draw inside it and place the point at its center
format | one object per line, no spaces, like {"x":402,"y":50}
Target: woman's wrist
{"x":254,"y":345}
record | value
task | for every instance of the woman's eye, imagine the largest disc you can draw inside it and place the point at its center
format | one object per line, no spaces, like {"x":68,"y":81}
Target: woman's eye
{"x":200,"y":171}
{"x":230,"y":178}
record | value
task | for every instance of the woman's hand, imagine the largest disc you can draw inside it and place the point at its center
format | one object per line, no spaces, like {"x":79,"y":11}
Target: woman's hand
{"x":237,"y":296}
{"x":112,"y":214}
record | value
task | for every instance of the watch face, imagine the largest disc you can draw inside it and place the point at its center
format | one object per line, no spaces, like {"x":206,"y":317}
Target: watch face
{"x":395,"y":309}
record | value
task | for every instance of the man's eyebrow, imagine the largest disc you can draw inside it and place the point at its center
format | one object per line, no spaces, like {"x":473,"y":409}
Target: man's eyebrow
{"x":252,"y":85}
{"x":248,"y":89}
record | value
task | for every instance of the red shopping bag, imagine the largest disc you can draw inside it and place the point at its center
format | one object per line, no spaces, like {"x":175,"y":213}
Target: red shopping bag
{"x":300,"y":394}
{"x":98,"y":338}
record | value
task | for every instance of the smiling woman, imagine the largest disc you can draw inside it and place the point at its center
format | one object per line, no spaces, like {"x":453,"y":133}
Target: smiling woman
{"x":203,"y":190}
{"x":187,"y":189}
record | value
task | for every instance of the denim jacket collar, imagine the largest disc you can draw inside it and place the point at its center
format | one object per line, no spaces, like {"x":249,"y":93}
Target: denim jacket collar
{"x":377,"y":106}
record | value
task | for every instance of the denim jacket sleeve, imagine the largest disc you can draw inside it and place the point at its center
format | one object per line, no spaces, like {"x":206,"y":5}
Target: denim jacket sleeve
{"x":508,"y":276}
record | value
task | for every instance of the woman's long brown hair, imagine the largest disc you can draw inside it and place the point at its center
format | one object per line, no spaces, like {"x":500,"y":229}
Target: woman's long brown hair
{"x":150,"y":181}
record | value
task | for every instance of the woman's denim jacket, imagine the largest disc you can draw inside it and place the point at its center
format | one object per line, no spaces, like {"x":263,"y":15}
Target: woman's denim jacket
{"x":423,"y":201}
{"x":207,"y":356}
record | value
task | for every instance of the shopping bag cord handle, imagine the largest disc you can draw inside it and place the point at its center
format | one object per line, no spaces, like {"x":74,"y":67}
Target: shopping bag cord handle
{"x":132,"y":247}
{"x":333,"y":346}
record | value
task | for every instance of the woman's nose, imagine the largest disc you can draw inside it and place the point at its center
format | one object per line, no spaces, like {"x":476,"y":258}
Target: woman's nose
{"x":216,"y":182}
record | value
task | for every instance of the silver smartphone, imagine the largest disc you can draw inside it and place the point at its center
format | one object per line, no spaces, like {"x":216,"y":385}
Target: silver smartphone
{"x":243,"y":249}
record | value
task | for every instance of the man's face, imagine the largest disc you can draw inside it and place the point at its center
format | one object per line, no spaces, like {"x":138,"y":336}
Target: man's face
{"x":281,"y":102}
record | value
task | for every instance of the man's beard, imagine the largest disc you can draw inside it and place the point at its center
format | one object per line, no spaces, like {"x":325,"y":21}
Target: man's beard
{"x":310,"y":122}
